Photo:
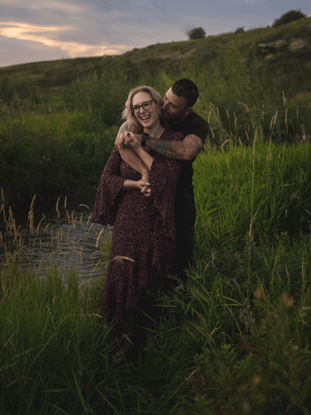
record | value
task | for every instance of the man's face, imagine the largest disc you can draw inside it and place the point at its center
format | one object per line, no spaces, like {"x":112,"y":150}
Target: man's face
{"x":174,"y":107}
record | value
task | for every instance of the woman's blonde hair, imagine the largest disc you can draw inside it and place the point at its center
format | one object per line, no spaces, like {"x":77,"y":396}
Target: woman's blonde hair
{"x":127,"y":113}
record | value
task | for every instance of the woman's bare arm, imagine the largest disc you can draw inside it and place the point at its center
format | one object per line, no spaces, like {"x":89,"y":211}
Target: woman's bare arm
{"x":128,"y":155}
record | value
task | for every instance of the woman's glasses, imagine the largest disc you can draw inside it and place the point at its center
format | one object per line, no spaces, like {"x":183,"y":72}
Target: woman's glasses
{"x":145,"y":105}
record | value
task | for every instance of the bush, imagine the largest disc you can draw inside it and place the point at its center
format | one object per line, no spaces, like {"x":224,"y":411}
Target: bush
{"x":240,"y":30}
{"x":196,"y":33}
{"x":289,"y":17}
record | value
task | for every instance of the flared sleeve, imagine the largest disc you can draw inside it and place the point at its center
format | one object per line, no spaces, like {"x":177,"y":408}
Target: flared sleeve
{"x":163,"y":178}
{"x":109,"y":191}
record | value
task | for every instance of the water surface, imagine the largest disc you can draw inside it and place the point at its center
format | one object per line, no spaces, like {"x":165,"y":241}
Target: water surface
{"x":63,"y":237}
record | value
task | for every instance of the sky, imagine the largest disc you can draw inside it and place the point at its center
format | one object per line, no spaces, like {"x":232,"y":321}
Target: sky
{"x":44,"y":30}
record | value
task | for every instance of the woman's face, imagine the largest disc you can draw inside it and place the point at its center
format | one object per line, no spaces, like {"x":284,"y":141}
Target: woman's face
{"x":146,"y":117}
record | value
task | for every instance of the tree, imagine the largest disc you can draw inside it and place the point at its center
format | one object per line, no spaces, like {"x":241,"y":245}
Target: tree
{"x":289,"y":17}
{"x":196,"y":33}
{"x":240,"y":30}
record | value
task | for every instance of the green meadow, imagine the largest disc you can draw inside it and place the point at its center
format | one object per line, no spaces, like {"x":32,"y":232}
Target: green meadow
{"x":235,"y":338}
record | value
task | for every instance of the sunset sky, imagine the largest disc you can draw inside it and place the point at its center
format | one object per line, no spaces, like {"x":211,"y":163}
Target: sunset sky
{"x":33,"y":30}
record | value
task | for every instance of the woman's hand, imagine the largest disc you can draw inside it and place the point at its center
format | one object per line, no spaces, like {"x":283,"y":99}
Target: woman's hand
{"x":145,"y":178}
{"x":144,"y":187}
{"x":130,"y":140}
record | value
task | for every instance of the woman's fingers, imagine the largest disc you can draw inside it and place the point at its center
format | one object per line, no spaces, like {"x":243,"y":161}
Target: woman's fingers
{"x":146,"y":189}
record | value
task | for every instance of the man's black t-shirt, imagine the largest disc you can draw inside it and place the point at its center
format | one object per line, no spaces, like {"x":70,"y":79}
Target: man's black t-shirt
{"x":193,"y":124}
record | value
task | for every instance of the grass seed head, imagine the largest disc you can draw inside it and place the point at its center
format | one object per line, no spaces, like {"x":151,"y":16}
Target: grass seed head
{"x":258,"y":293}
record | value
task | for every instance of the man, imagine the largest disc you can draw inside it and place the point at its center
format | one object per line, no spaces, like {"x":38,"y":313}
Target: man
{"x":177,"y":111}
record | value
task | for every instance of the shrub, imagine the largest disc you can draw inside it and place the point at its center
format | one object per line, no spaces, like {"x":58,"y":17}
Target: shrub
{"x":240,"y":30}
{"x":288,"y":17}
{"x":196,"y":33}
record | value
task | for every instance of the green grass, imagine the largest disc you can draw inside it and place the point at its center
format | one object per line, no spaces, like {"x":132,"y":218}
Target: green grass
{"x":260,"y":190}
{"x":234,"y":339}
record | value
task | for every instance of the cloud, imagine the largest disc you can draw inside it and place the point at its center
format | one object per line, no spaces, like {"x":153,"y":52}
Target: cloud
{"x":47,"y":35}
{"x":41,"y":5}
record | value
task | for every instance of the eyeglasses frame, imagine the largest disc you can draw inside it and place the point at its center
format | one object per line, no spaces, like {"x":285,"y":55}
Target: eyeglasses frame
{"x":141,"y":106}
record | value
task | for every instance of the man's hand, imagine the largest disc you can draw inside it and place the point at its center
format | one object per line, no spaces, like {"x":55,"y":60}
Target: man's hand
{"x":130,"y":140}
{"x":124,"y":139}
{"x":126,"y":126}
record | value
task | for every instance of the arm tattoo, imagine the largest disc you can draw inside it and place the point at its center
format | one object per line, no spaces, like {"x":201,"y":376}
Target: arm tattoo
{"x":168,"y":149}
{"x":194,"y":145}
{"x":126,"y":126}
{"x":178,"y":150}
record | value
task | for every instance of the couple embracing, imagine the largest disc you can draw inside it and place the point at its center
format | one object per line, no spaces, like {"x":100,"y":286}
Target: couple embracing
{"x":146,"y":194}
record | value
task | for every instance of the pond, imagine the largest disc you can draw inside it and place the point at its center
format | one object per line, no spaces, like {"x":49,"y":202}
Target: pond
{"x":62,"y":237}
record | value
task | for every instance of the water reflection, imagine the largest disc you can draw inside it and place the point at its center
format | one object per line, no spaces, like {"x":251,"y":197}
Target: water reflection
{"x":59,"y":238}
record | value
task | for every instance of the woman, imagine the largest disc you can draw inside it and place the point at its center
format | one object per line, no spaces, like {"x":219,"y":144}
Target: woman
{"x":143,"y":223}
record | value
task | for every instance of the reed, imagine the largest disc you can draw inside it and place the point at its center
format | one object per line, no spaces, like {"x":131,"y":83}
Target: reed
{"x":258,"y":190}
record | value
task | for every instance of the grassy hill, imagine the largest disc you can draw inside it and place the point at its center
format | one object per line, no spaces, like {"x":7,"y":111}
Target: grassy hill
{"x":65,"y":114}
{"x":292,"y":56}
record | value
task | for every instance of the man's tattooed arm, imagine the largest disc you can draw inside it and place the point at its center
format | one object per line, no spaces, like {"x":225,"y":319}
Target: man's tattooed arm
{"x":187,"y":149}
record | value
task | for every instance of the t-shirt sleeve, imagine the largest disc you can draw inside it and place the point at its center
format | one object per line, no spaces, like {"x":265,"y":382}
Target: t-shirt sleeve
{"x":109,"y":190}
{"x":200,"y":129}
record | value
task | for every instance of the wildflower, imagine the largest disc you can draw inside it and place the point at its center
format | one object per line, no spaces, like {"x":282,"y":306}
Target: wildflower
{"x":256,"y":380}
{"x":287,"y":300}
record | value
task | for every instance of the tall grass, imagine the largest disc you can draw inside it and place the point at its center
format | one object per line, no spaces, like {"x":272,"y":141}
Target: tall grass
{"x":234,"y":339}
{"x":260,"y":190}
{"x":54,"y":357}
{"x":47,"y":153}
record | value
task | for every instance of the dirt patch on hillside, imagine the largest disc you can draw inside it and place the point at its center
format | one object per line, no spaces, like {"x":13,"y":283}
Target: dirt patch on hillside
{"x":177,"y":54}
{"x":273,"y":45}
{"x":299,"y":43}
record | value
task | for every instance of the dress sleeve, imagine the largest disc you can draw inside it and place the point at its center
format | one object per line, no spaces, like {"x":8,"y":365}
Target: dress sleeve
{"x":108,"y":192}
{"x":163,"y":178}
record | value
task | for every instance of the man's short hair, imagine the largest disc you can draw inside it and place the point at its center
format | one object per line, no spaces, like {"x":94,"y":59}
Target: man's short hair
{"x":186,"y":89}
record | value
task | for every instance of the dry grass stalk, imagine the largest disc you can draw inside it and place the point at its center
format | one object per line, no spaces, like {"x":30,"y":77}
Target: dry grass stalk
{"x":57,"y":210}
{"x":31,"y":215}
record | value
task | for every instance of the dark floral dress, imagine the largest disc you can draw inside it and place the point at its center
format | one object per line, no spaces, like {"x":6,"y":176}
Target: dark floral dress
{"x":143,"y":229}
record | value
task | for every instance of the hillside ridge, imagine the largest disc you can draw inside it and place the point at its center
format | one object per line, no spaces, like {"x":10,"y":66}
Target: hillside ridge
{"x":288,"y":42}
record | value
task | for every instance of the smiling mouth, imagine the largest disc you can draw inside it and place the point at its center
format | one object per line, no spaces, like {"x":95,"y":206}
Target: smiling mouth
{"x":145,"y":118}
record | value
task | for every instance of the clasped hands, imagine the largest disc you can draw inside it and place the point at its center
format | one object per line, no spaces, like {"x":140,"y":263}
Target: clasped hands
{"x":128,"y":139}
{"x":132,"y":141}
